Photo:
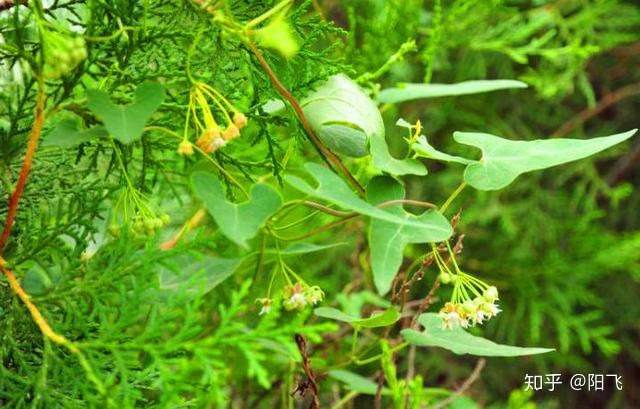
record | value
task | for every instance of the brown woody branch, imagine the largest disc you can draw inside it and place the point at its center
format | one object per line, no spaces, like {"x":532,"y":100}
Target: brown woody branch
{"x":32,"y":145}
{"x":7,"y":4}
{"x":605,"y":102}
{"x":465,"y":385}
{"x":310,"y":384}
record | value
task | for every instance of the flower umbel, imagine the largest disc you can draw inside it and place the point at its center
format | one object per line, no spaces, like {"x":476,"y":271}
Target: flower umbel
{"x":472,"y":302}
{"x":207,"y":106}
{"x":294,"y":298}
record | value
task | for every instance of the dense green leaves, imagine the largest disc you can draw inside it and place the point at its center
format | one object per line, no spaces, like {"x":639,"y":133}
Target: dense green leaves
{"x":126,"y":122}
{"x":239,"y":222}
{"x":380,"y":319}
{"x":459,"y":341}
{"x":408,"y":92}
{"x":388,"y":240}
{"x":196,"y":273}
{"x":334,"y":190}
{"x":503,"y":160}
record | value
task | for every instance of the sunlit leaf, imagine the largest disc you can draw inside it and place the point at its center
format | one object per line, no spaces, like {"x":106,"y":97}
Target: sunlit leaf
{"x":343,"y":116}
{"x":408,"y":92}
{"x":239,"y":222}
{"x":459,"y":341}
{"x":388,"y":240}
{"x":333,"y":189}
{"x":349,"y":123}
{"x":278,"y":35}
{"x":425,"y":150}
{"x":126,"y":122}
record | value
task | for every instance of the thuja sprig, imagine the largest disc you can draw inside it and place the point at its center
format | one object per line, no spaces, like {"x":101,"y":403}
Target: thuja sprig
{"x":32,"y":144}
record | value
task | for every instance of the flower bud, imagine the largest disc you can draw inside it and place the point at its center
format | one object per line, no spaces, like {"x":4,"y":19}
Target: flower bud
{"x":149,"y":224}
{"x":185,"y":148}
{"x":266,"y":305}
{"x":239,"y":120}
{"x":231,"y":132}
{"x":491,"y":294}
{"x":445,"y":278}
{"x":314,"y":295}
{"x":114,"y":230}
{"x":469,"y":307}
{"x":294,"y":298}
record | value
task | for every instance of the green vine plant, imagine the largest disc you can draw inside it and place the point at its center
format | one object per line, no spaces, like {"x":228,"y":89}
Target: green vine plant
{"x":214,"y":151}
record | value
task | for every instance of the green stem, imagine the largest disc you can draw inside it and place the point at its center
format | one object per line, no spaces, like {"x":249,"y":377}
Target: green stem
{"x":377,"y":357}
{"x":452,"y":197}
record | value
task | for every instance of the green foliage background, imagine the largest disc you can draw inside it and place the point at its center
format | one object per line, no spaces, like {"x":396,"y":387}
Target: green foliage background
{"x":563,"y":245}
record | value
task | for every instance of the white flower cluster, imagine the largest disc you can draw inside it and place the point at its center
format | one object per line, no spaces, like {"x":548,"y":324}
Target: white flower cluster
{"x":295,"y":297}
{"x":470,"y":312}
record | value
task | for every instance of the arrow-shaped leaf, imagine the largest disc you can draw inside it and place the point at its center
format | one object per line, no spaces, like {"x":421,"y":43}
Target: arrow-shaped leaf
{"x":239,"y":222}
{"x":388,"y":240}
{"x":333,"y":189}
{"x":459,"y":341}
{"x":408,"y":91}
{"x":503,"y":160}
{"x":126,"y":122}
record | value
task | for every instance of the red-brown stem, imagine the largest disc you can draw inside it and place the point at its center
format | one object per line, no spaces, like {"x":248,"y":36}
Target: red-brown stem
{"x":32,"y":144}
{"x":331,"y":158}
{"x":609,"y":99}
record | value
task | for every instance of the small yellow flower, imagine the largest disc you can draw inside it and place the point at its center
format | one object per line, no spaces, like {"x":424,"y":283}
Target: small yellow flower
{"x":231,"y":132}
{"x":266,"y":305}
{"x":239,"y":120}
{"x":185,"y":148}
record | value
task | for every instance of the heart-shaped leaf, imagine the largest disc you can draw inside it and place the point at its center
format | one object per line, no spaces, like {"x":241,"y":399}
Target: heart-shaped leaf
{"x":408,"y":92}
{"x":381,"y":319}
{"x":349,"y":123}
{"x":388,"y":240}
{"x":503,"y":160}
{"x":239,"y":222}
{"x":126,"y":122}
{"x":333,"y":189}
{"x":459,"y":341}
